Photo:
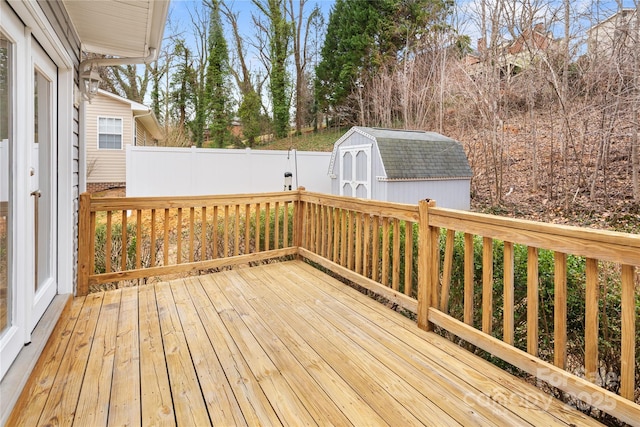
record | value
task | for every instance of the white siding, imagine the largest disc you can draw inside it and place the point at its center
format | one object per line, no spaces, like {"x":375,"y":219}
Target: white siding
{"x":452,"y":194}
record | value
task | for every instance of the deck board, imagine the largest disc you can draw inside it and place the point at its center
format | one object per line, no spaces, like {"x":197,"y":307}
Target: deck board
{"x":278,"y":344}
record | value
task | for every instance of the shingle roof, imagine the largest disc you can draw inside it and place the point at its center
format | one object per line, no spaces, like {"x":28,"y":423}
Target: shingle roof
{"x":419,"y":154}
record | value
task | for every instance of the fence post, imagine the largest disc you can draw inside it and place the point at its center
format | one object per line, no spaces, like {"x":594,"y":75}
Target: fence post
{"x":84,"y":244}
{"x":426,"y":265}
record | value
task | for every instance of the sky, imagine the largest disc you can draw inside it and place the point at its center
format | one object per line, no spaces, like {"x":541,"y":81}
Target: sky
{"x":465,"y":20}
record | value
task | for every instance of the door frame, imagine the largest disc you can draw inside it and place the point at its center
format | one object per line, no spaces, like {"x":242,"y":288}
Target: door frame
{"x":35,"y":23}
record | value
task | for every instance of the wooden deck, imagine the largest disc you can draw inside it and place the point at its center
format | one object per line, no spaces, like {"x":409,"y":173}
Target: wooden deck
{"x":280,"y":344}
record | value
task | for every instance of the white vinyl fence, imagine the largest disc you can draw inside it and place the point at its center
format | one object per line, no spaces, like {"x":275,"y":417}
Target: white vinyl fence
{"x":169,"y":171}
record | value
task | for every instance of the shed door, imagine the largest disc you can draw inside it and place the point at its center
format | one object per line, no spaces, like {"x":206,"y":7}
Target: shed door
{"x":355,"y":171}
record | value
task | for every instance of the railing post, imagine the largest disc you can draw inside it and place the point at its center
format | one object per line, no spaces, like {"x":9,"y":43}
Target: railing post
{"x":298,"y":218}
{"x":425,"y":265}
{"x":84,"y":244}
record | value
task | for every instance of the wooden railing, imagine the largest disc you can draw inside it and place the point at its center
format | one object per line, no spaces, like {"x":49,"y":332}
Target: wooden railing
{"x":368,"y":242}
{"x":476,"y":277}
{"x":593,"y":250}
{"x":131,"y":238}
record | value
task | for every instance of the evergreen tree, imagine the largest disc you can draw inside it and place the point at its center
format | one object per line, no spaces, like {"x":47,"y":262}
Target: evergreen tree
{"x":279,"y":36}
{"x":249,"y":113}
{"x":365,"y":35}
{"x":217,"y":96}
{"x":182,"y":84}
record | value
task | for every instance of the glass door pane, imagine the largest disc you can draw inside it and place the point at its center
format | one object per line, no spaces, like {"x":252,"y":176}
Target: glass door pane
{"x":6,"y":296}
{"x":43,"y":180}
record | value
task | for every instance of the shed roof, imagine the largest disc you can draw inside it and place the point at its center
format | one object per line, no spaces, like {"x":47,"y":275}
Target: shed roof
{"x":410,"y":155}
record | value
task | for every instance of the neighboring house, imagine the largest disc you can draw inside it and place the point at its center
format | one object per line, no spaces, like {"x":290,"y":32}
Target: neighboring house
{"x":42,"y":92}
{"x":615,"y":35}
{"x":400,"y":166}
{"x":112,"y":123}
{"x":518,"y":54}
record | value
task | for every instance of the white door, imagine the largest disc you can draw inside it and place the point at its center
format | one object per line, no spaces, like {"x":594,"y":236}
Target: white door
{"x":355,"y":171}
{"x":12,"y":297}
{"x":43,"y":182}
{"x":28,"y":184}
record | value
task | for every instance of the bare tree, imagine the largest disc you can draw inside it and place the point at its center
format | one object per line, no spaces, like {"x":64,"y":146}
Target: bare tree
{"x":301,"y":29}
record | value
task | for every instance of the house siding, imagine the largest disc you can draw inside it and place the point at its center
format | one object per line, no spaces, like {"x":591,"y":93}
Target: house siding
{"x":107,"y":166}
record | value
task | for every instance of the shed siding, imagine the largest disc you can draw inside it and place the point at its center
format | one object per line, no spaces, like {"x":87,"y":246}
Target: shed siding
{"x":453,"y":194}
{"x":107,"y":165}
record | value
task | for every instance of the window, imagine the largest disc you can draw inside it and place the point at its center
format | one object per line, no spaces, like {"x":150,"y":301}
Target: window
{"x":109,"y":133}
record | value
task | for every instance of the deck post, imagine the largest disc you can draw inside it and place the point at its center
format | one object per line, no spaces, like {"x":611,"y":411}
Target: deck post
{"x":298,"y":218}
{"x":425,"y":265}
{"x":84,"y":244}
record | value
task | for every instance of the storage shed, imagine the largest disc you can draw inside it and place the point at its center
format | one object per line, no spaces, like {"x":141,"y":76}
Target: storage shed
{"x":400,"y":166}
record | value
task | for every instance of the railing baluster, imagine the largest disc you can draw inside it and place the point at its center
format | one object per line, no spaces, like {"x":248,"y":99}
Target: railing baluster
{"x":92,"y":247}
{"x":236,"y":232}
{"x":560,"y":310}
{"x":257,"y":227}
{"x":267,"y":225}
{"x":508,"y":284}
{"x":276,"y":231}
{"x":317,"y":216}
{"x":336,"y":234}
{"x":375,"y":260}
{"x":329,"y":249}
{"x":446,"y":270}
{"x":395,"y":269}
{"x":434,"y":264}
{"x":165,"y":243}
{"x":358,"y":266}
{"x":285,"y":225}
{"x":108,"y":242}
{"x":247,"y":228}
{"x":214,"y":238}
{"x":366,"y":245}
{"x":226,"y":231}
{"x":179,"y":237}
{"x":350,"y":239}
{"x":203,"y":233}
{"x":408,"y":258}
{"x":138,"y":237}
{"x":487,"y":285}
{"x":532,"y":301}
{"x":628,"y":348}
{"x":192,"y":213}
{"x":123,"y":258}
{"x":343,"y":238}
{"x":591,"y":321}
{"x":385,"y":252}
{"x":153,"y":239}
{"x":469,"y":279}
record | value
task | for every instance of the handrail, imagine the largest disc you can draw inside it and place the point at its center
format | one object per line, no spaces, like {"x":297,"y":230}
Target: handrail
{"x":141,"y":237}
{"x":437,"y":263}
